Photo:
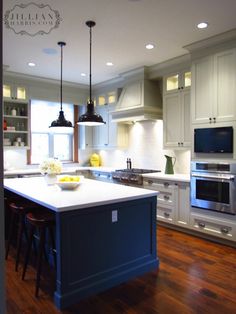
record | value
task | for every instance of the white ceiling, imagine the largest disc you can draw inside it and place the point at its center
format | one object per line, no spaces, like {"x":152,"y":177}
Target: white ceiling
{"x":123,"y":27}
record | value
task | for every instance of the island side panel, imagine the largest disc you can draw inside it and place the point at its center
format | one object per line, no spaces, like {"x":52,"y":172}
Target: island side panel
{"x":100,"y":247}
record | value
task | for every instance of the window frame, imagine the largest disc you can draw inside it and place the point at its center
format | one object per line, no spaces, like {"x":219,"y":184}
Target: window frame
{"x":73,"y":140}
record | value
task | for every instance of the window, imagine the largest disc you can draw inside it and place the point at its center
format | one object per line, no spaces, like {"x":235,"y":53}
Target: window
{"x":44,"y":143}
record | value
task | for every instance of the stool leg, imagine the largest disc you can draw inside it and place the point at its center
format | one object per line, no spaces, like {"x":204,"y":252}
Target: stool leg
{"x":39,"y":262}
{"x":53,"y":246}
{"x":19,"y":240}
{"x":10,"y":236}
{"x":31,"y":235}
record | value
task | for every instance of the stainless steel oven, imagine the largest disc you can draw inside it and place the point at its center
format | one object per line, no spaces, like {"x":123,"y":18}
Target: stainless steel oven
{"x":213,"y":186}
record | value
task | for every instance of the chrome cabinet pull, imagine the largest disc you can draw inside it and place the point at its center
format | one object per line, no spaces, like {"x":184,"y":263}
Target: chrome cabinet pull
{"x":224,"y":230}
{"x":166,"y":197}
{"x":201,"y":224}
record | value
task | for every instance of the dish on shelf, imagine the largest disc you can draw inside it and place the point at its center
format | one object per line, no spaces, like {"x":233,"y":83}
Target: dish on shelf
{"x":68,"y":182}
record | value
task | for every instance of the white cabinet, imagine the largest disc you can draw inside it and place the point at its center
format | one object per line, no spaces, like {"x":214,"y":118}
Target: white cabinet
{"x":85,"y":132}
{"x":111,"y":134}
{"x":16,"y":124}
{"x":14,"y":91}
{"x":176,"y":81}
{"x":176,"y":119}
{"x":213,"y":84}
{"x":172,"y":200}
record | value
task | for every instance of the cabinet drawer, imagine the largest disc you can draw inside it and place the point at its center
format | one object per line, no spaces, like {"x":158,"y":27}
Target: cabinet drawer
{"x":162,"y":186}
{"x":165,"y":214}
{"x":166,"y":198}
{"x":214,"y":227}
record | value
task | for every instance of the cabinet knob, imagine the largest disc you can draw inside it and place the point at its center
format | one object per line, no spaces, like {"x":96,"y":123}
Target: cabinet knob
{"x":166,"y":197}
{"x":201,"y":224}
{"x":224,"y":230}
{"x":210,"y":120}
{"x":166,"y":214}
{"x":179,"y":88}
{"x":182,"y":87}
{"x":178,"y":143}
{"x":166,"y":184}
{"x":182,"y":143}
{"x":214,"y":120}
{"x":150,"y":182}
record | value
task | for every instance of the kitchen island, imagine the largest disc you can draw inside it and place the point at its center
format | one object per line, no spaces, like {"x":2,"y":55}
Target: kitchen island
{"x":105,"y":233}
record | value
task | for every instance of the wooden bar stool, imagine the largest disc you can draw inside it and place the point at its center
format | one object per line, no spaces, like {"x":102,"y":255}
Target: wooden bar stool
{"x":41,"y":221}
{"x":18,"y":210}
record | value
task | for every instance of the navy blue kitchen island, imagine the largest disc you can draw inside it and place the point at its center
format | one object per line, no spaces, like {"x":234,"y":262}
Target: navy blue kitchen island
{"x":105,"y":234}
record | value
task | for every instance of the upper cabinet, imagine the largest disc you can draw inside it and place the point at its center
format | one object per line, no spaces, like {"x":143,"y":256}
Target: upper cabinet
{"x":177,"y":81}
{"x":111,"y":134}
{"x":176,"y":110}
{"x":213,"y":96}
{"x":14,"y":92}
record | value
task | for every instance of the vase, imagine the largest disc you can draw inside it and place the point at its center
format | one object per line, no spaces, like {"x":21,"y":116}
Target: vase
{"x":50,"y":179}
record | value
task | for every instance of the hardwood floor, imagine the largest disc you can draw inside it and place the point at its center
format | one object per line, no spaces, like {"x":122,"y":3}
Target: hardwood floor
{"x":195,"y":276}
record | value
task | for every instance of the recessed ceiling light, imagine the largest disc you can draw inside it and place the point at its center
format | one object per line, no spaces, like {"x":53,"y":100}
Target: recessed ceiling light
{"x":31,"y":64}
{"x":149,"y":46}
{"x":109,"y":64}
{"x":83,"y":74}
{"x":202,"y":25}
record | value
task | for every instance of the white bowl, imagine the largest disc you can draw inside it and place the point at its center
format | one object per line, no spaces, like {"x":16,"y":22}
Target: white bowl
{"x":69,"y":185}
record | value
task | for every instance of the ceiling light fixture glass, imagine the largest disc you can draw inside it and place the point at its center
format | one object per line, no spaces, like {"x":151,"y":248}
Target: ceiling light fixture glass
{"x":61,"y":124}
{"x":31,"y":64}
{"x":90,"y":118}
{"x":202,"y":25}
{"x":149,"y":46}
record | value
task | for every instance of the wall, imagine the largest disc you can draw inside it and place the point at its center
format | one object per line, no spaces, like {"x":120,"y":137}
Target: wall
{"x":145,"y":149}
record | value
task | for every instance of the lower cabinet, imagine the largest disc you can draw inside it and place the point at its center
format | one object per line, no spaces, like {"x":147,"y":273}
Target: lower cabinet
{"x":173,"y":207}
{"x":172,"y":201}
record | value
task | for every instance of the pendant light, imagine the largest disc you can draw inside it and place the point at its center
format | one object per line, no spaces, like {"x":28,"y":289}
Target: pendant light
{"x":90,"y":118}
{"x":61,"y":125}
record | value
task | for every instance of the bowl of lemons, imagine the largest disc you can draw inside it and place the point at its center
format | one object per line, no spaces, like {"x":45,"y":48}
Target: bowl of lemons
{"x":68,"y":182}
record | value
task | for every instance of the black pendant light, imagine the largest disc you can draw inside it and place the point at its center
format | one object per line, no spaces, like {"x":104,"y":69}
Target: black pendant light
{"x":61,"y":124}
{"x":90,"y":118}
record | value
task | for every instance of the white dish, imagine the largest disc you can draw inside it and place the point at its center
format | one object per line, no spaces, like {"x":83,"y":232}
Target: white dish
{"x":69,"y":185}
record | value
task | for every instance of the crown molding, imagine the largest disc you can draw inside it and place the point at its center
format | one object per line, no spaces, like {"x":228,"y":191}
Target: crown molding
{"x":15,"y":75}
{"x":212,"y":41}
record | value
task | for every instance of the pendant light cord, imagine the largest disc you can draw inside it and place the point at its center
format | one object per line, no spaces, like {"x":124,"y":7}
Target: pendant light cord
{"x":61,"y":74}
{"x":90,"y":65}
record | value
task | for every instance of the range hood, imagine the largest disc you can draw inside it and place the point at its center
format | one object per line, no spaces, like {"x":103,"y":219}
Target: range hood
{"x":140,"y":100}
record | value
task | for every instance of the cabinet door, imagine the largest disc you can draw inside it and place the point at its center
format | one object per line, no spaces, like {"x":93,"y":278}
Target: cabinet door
{"x":202,"y":90}
{"x":15,"y":92}
{"x":85,"y":132}
{"x":100,"y":133}
{"x":183,"y":207}
{"x":225,"y":86}
{"x":185,"y":124}
{"x":172,"y":120}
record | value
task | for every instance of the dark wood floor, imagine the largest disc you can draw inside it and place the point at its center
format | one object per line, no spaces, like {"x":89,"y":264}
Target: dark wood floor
{"x":195,"y":276}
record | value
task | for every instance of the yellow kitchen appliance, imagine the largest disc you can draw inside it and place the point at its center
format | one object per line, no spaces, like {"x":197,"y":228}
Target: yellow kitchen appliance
{"x":95,"y":160}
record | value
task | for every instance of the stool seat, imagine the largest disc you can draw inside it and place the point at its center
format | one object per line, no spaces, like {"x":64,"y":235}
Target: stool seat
{"x":39,"y":220}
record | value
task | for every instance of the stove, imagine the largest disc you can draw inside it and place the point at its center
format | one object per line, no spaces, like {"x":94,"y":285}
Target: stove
{"x":131,"y":176}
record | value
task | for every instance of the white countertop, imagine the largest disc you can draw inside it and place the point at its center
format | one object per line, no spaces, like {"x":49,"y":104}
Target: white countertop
{"x":31,"y":171}
{"x":172,"y":177}
{"x":89,"y":194}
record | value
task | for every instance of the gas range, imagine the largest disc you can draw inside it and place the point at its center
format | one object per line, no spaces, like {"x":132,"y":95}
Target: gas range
{"x":131,"y":176}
